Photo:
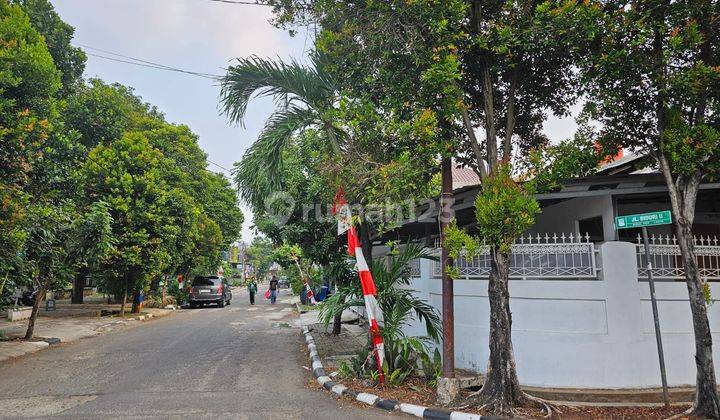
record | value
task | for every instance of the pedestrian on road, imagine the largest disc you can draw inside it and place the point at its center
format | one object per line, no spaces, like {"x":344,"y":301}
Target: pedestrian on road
{"x":252,"y":289}
{"x":273,"y":289}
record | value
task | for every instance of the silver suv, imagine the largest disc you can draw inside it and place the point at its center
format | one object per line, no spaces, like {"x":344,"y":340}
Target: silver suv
{"x":210,"y":289}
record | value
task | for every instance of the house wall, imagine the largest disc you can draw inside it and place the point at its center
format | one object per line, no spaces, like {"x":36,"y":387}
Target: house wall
{"x":582,"y":334}
{"x":563,"y":217}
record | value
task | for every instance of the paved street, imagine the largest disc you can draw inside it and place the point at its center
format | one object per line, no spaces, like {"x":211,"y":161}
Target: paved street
{"x":236,"y":362}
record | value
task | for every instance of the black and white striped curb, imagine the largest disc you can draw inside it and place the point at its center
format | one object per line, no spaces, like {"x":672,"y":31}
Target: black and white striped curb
{"x":372,"y":399}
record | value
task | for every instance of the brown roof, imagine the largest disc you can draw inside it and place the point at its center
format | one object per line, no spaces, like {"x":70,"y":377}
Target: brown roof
{"x":463,"y":177}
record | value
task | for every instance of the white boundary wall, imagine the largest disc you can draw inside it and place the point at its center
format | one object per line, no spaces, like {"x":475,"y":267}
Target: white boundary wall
{"x":581,"y":333}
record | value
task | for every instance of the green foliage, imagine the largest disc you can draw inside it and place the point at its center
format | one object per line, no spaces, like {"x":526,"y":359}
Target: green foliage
{"x":29,"y":82}
{"x":459,"y":243}
{"x":654,"y":69}
{"x":286,"y":254}
{"x":345,"y":370}
{"x":69,"y":60}
{"x":259,"y":256}
{"x":504,"y":210}
{"x":398,"y":305}
{"x":60,"y":240}
{"x":94,"y":181}
{"x":707,"y":293}
{"x":99,"y":112}
{"x":549,"y":167}
{"x":692,"y":147}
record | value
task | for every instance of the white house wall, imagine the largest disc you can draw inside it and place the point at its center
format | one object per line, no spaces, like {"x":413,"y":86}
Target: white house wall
{"x":563,"y":217}
{"x":581,"y":334}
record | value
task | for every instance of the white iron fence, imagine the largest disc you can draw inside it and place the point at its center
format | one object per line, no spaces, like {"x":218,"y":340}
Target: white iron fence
{"x":667,"y":263}
{"x":537,"y":257}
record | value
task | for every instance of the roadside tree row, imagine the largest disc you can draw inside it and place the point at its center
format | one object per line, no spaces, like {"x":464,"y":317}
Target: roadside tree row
{"x":95,"y":183}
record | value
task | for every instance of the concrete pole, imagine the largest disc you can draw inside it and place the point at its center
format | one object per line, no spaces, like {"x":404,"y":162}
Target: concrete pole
{"x":448,"y":389}
{"x":448,"y":315}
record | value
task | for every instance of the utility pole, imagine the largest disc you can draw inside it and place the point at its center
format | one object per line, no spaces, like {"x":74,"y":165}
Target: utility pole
{"x":447,"y":389}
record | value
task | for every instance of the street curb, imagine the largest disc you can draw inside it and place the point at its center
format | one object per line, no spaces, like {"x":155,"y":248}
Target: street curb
{"x":43,"y":343}
{"x":372,"y":399}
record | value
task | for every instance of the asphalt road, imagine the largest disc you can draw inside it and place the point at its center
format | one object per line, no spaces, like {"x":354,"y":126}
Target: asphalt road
{"x":237,"y":362}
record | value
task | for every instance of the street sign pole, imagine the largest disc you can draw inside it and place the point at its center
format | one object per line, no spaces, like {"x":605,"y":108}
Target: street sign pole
{"x":656,"y":318}
{"x":632,"y":221}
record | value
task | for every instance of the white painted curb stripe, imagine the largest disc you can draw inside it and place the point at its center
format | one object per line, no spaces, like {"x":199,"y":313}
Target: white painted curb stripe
{"x":338,"y":389}
{"x":316,"y":364}
{"x":321,"y":380}
{"x":457,"y":415}
{"x":415,"y":410}
{"x":313,"y":353}
{"x":312,"y":347}
{"x":367,"y":398}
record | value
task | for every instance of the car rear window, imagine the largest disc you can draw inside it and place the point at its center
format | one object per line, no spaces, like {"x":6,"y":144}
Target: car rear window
{"x":206,"y":281}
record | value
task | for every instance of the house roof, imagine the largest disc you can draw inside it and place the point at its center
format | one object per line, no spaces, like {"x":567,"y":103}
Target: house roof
{"x":425,"y":224}
{"x":463,"y":177}
{"x":627,"y":164}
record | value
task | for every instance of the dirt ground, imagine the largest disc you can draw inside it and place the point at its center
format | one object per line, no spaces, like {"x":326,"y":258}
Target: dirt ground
{"x":416,"y":391}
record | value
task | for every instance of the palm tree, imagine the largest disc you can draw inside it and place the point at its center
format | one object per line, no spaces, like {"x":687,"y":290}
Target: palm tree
{"x":303,"y":95}
{"x":397,"y":302}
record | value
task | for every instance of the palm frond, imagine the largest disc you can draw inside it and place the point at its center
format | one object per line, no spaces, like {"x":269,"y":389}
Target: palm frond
{"x":266,"y":77}
{"x":397,"y":271}
{"x":258,"y":174}
{"x":344,"y":299}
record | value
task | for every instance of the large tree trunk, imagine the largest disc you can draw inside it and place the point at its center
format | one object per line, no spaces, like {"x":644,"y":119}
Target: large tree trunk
{"x":79,"y":286}
{"x":164,"y":290}
{"x":706,"y":398}
{"x":36,"y":308}
{"x":501,"y":391}
{"x":124,"y":297}
{"x":683,"y":195}
{"x":337,"y":324}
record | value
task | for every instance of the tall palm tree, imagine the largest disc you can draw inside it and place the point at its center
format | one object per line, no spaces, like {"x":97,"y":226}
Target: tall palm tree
{"x":303,"y":96}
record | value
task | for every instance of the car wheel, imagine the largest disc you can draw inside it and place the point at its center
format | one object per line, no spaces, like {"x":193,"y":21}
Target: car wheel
{"x":221,"y":303}
{"x":193,"y":305}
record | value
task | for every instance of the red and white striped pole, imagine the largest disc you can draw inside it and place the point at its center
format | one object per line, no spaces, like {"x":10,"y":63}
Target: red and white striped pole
{"x":374,"y":313}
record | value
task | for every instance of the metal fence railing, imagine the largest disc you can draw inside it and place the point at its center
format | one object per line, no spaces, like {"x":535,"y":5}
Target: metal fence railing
{"x":537,"y":257}
{"x":667,"y":262}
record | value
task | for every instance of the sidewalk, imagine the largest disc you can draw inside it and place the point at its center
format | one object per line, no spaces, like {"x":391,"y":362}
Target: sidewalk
{"x":56,"y":328}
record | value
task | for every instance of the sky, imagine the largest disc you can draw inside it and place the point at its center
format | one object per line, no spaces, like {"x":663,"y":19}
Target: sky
{"x":201,"y":36}
{"x":197,"y":35}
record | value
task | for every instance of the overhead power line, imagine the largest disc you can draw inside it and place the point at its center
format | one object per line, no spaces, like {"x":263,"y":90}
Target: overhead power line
{"x":121,"y":58}
{"x":220,"y":166}
{"x":153,"y":65}
{"x":249,"y":3}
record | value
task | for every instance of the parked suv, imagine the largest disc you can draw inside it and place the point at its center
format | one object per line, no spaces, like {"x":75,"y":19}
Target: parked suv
{"x":210,"y":289}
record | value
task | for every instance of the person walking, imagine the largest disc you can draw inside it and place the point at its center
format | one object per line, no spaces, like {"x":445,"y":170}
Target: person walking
{"x":273,"y":289}
{"x":252,"y":290}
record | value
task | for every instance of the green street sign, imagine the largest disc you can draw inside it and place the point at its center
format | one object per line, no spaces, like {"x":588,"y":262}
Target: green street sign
{"x":645,"y":219}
